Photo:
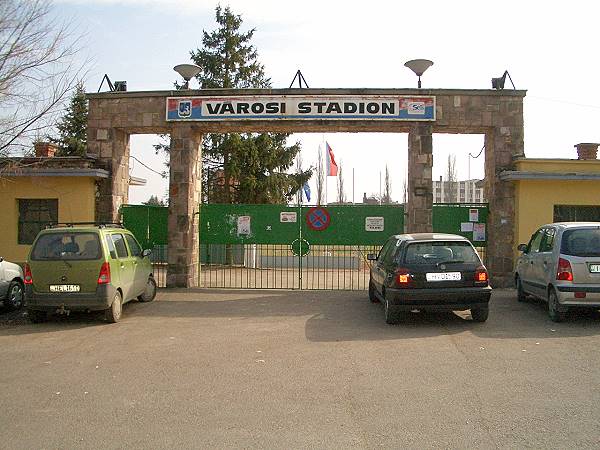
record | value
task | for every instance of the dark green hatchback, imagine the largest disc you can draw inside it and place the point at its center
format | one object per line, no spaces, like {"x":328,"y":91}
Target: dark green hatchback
{"x":86,"y":268}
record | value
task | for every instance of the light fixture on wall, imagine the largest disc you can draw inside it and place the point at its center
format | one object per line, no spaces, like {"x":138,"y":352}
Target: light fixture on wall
{"x":498,"y":83}
{"x":419,"y":66}
{"x":187,"y":71}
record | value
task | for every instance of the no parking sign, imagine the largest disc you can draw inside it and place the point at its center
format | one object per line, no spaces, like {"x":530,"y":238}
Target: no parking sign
{"x":318,"y":218}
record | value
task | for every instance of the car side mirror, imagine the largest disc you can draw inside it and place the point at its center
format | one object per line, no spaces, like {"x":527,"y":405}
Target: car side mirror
{"x":522,"y":248}
{"x":146,"y":253}
{"x":371,"y":256}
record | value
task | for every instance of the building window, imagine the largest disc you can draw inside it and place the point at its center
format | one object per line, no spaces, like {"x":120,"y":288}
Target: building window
{"x":575,"y":213}
{"x":34,"y":216}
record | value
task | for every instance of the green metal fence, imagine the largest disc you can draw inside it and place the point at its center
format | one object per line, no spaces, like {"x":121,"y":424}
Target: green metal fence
{"x":274,"y":246}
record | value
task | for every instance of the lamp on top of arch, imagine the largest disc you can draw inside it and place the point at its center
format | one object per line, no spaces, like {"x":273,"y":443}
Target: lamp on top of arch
{"x":419,"y":66}
{"x":187,"y":71}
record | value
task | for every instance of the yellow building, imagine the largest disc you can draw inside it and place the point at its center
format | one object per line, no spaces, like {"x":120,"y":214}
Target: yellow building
{"x":553,"y":190}
{"x":31,"y":197}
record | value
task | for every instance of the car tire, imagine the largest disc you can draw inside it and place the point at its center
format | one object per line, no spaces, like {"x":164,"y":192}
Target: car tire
{"x":36,"y":316}
{"x":150,"y":291}
{"x":15,"y":296}
{"x":114,"y":312}
{"x":372,"y":293}
{"x":554,"y":311}
{"x":521,"y":296}
{"x":480,"y":314}
{"x":391,"y":316}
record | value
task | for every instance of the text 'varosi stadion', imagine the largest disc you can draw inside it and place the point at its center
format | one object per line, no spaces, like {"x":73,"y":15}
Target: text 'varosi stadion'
{"x":299,"y":107}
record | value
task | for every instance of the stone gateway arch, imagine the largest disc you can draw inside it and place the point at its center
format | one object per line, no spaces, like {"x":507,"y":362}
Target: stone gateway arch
{"x":188,"y":114}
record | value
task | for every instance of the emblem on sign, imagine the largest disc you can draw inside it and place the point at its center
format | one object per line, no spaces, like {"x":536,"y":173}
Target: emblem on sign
{"x":318,"y":219}
{"x":184,"y":109}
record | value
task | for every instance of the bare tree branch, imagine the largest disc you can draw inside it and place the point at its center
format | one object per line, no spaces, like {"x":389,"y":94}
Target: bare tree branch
{"x":37,"y":72}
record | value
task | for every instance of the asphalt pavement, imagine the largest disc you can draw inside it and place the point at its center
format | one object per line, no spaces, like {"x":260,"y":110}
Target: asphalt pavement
{"x":289,"y":369}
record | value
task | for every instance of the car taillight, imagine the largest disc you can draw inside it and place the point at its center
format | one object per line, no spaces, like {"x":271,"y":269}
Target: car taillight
{"x":402,"y":277}
{"x":27,"y":275}
{"x":481,"y":275}
{"x":564,"y":271}
{"x":104,"y":276}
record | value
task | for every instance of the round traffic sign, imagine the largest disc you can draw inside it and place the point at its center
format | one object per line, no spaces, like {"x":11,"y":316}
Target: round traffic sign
{"x":318,"y":218}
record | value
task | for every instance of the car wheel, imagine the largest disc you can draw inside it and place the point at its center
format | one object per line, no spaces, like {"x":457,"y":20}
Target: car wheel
{"x":521,"y":296}
{"x":480,"y":314}
{"x":372,"y":294}
{"x":36,"y":316}
{"x":113,"y":314}
{"x":150,"y":291}
{"x":14,"y":296}
{"x":554,"y":309}
{"x":391,"y":316}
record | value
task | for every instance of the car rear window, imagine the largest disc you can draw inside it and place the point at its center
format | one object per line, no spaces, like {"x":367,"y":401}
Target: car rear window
{"x":581,"y":242}
{"x":67,"y":246}
{"x":440,"y":251}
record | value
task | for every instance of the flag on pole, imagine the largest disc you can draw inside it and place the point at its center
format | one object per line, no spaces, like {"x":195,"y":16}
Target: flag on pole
{"x":306,"y":188}
{"x":332,"y":167}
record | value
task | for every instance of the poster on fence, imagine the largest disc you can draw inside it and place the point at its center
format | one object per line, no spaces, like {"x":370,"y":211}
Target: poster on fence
{"x":479,"y":232}
{"x":243,"y":225}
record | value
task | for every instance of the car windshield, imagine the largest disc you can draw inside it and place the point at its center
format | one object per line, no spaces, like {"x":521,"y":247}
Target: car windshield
{"x":440,"y":252}
{"x":581,"y":242}
{"x":67,"y":246}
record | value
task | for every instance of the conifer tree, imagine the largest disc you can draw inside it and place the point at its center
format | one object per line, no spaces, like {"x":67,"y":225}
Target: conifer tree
{"x":72,"y":128}
{"x":242,"y":168}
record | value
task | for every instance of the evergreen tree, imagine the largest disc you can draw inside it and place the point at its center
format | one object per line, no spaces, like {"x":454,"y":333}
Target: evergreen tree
{"x":242,"y":168}
{"x":154,"y":201}
{"x":72,"y":129}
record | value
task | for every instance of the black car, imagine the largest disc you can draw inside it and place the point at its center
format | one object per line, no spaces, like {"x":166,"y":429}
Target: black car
{"x":429,"y":271}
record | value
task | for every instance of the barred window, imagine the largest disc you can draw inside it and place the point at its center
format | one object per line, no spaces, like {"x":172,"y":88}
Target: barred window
{"x":34,"y":216}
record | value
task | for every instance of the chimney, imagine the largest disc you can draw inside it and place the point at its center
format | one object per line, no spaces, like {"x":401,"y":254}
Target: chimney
{"x":45,"y":149}
{"x":586,"y":150}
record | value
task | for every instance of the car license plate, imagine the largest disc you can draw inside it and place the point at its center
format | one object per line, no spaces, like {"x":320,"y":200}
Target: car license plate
{"x":595,"y":268}
{"x":444,"y":276}
{"x":65,"y":288}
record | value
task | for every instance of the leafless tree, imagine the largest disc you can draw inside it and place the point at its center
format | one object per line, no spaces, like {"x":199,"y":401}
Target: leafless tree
{"x":450,"y":188}
{"x":387,"y":190}
{"x":341,"y":197}
{"x":37,"y":71}
{"x":320,"y":177}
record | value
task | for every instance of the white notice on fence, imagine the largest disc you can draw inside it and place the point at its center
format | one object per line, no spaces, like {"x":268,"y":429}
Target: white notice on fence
{"x":374,"y":224}
{"x":465,"y":227}
{"x":287,"y":217}
{"x":243,"y":225}
{"x":473,"y":215}
{"x":479,"y":232}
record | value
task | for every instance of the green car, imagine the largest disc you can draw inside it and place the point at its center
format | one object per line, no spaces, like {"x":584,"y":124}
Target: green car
{"x":86,"y":268}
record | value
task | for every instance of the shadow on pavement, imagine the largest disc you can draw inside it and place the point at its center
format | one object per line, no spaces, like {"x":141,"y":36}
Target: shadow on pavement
{"x":333,"y":316}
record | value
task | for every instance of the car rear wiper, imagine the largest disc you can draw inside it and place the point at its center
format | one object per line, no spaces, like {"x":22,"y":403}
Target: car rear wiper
{"x":452,"y":261}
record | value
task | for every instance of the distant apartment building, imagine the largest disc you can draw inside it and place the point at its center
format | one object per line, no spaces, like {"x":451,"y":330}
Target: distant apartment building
{"x":469,"y":191}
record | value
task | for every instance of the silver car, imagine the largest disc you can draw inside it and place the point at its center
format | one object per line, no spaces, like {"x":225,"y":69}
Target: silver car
{"x":11,"y":285}
{"x":561,"y":265}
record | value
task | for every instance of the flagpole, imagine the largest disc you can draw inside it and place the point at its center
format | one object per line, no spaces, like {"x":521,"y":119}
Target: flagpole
{"x":353,"y":185}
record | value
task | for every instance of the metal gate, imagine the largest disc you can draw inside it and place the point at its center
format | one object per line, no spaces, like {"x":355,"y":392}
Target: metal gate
{"x":283,"y":247}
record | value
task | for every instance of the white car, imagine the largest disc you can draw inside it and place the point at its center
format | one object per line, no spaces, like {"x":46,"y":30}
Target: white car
{"x":11,"y":285}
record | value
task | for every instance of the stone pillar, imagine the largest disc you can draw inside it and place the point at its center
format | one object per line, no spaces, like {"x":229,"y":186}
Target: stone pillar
{"x":184,"y":203}
{"x":502,"y":144}
{"x":111,"y":147}
{"x":420,"y":184}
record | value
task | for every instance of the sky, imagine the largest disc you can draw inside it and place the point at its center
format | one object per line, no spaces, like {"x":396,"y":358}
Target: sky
{"x":547,"y":47}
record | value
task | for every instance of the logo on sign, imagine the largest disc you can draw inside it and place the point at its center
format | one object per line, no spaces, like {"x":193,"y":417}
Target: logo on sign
{"x":184,"y":109}
{"x":416,"y":108}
